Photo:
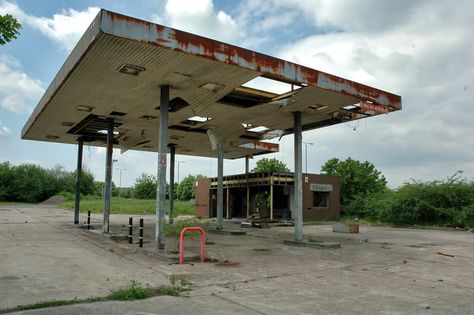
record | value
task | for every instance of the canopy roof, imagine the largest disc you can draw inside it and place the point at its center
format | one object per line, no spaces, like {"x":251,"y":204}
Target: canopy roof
{"x":117,"y":67}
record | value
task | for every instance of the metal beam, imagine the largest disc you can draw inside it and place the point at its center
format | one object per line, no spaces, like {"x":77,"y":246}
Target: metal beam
{"x":227,"y":208}
{"x":162,"y":152}
{"x":220,"y":185}
{"x":108,"y":175}
{"x":271,"y":200}
{"x":248,"y":189}
{"x":77,"y":201}
{"x":172,"y":162}
{"x":298,"y":178}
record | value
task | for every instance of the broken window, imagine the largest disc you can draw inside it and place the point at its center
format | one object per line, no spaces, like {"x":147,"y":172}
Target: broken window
{"x":320,"y":199}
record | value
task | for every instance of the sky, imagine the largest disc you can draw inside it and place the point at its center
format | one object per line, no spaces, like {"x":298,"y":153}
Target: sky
{"x":421,"y":50}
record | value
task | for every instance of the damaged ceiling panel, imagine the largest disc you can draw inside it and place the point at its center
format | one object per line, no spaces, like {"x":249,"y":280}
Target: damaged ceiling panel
{"x":116,"y":70}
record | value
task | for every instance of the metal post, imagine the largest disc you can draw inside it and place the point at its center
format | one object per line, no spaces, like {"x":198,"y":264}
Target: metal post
{"x":298,"y":178}
{"x":89,"y":220}
{"x":108,"y":175}
{"x":130,"y":230}
{"x":172,"y":159}
{"x":140,"y":234}
{"x":162,"y":152}
{"x":80,"y":145}
{"x":220,"y":185}
{"x":227,"y":208}
{"x":271,"y":199}
{"x":248,"y":188}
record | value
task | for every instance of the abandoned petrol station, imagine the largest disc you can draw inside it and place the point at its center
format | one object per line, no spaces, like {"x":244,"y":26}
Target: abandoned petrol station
{"x":136,"y":85}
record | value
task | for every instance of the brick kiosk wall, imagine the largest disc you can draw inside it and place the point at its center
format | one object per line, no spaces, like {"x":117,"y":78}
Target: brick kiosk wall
{"x":332,"y":212}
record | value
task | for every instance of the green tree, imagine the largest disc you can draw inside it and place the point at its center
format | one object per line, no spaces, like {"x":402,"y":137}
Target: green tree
{"x":6,"y":175}
{"x":9,"y":28}
{"x":357,"y":179}
{"x":187,"y":188}
{"x":270,"y":166}
{"x":145,"y":187}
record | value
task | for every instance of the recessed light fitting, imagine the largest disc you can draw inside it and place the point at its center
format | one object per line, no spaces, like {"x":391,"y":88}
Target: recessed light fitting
{"x":131,"y":69}
{"x":84,"y":108}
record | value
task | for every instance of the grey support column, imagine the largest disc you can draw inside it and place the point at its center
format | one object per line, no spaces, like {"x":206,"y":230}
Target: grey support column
{"x":172,"y":162}
{"x":248,"y":188}
{"x":220,"y":186}
{"x":162,"y":152}
{"x":298,"y":178}
{"x":108,"y":175}
{"x":77,"y":201}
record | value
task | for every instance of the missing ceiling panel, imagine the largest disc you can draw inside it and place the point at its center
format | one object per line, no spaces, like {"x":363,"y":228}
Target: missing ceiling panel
{"x":176,"y":104}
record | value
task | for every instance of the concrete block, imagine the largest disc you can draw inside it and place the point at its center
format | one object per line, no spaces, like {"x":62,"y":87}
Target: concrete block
{"x":345,"y":227}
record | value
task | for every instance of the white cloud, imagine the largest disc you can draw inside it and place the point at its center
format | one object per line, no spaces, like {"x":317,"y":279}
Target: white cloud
{"x":199,"y":17}
{"x":4,"y":130}
{"x":428,"y":63}
{"x":65,"y":28}
{"x":18,"y":91}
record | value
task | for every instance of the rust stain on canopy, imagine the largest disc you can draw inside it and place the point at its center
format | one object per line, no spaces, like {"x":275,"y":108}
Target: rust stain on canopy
{"x":116,"y":69}
{"x":270,"y":66}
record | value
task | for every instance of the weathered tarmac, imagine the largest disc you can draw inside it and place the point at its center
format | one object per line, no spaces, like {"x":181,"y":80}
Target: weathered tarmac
{"x":381,"y":270}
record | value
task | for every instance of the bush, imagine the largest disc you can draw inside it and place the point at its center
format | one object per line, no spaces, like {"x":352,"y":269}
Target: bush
{"x":448,"y":202}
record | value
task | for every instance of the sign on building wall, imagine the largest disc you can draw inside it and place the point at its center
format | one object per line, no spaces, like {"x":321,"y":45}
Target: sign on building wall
{"x":320,"y":187}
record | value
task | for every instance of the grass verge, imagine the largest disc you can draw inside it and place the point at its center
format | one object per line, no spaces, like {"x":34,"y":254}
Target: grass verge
{"x":129,"y":205}
{"x":315,"y":239}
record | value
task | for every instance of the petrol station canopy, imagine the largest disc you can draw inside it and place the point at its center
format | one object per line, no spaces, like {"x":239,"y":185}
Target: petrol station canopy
{"x":116,"y":70}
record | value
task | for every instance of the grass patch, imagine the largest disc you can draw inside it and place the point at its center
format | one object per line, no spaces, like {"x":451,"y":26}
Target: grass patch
{"x":133,"y":291}
{"x":178,"y":284}
{"x":129,"y":205}
{"x":315,"y":239}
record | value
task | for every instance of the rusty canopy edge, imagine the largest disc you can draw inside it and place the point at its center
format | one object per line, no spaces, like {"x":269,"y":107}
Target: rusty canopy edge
{"x":134,"y":29}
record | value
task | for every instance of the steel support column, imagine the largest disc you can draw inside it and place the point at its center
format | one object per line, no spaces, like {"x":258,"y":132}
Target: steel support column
{"x":298,"y":178}
{"x":227,"y":208}
{"x":248,"y":188}
{"x":162,"y":153}
{"x":172,"y":162}
{"x":108,"y":175}
{"x":271,"y":199}
{"x":77,"y":201}
{"x":220,"y":185}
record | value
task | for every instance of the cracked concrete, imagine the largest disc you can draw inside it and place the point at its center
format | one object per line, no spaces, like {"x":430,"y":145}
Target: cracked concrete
{"x":378,"y":271}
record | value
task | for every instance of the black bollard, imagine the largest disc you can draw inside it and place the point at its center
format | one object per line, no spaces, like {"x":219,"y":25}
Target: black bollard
{"x":140,"y":236}
{"x":130,"y":230}
{"x":89,"y":220}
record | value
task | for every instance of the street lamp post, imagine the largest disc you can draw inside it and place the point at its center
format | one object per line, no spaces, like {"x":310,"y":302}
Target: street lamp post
{"x":306,"y":153}
{"x":178,"y":167}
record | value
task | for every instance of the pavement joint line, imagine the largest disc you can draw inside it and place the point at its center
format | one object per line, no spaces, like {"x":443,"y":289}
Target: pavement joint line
{"x":237,"y":303}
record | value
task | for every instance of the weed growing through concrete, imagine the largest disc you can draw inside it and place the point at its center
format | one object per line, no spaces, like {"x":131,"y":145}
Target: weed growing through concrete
{"x":208,"y":242}
{"x":45,"y":304}
{"x":134,"y":291}
{"x":315,"y":239}
{"x":178,"y":284}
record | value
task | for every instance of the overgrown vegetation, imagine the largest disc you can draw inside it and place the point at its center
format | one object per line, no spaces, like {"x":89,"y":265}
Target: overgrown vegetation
{"x":32,"y":183}
{"x":127,"y":205}
{"x":364,"y":195}
{"x":266,"y":165}
{"x":178,"y":284}
{"x":133,"y":291}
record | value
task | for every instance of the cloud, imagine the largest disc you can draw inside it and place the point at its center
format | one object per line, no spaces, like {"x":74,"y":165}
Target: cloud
{"x":428,"y":63}
{"x":199,"y":17}
{"x":4,"y":130}
{"x":17,"y":90}
{"x":65,"y":28}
